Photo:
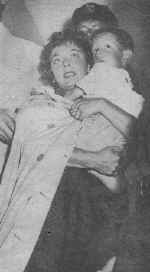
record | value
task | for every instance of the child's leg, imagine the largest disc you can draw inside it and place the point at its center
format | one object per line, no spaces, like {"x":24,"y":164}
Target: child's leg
{"x":108,"y":267}
{"x":111,"y":182}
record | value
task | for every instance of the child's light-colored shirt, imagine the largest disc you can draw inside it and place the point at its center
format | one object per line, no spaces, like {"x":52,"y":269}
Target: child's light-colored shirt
{"x":115,"y":85}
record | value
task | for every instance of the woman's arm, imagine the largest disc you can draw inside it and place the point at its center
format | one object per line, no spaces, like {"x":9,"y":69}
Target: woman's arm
{"x":103,"y":163}
{"x":120,"y":119}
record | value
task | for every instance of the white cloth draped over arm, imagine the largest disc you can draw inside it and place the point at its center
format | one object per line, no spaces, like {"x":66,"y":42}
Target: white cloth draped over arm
{"x":32,"y":174}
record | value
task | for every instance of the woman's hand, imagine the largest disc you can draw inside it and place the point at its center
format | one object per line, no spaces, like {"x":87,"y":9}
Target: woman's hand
{"x":7,"y":126}
{"x":84,"y":107}
{"x":105,"y":161}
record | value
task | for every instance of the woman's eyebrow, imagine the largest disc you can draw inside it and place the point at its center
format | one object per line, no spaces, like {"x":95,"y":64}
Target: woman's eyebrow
{"x":54,"y":55}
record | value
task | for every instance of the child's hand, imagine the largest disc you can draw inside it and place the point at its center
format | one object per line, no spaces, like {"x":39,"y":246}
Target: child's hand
{"x":85,"y":107}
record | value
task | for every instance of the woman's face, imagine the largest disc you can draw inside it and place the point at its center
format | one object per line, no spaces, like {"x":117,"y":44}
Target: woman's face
{"x":68,"y":65}
{"x":89,"y":27}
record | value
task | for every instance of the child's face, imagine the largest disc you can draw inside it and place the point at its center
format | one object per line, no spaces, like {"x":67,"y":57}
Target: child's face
{"x":107,"y":49}
{"x":68,"y":65}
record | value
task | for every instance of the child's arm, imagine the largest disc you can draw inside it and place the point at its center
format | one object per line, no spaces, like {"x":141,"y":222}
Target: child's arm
{"x":114,"y":183}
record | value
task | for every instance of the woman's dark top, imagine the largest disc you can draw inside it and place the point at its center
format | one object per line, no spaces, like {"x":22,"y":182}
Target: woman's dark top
{"x":82,"y":229}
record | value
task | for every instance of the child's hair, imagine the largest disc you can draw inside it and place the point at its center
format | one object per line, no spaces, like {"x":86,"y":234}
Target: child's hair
{"x":58,"y":39}
{"x":122,"y":37}
{"x":93,"y":11}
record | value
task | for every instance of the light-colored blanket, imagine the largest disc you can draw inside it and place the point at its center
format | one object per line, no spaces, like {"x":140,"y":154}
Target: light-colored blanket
{"x":34,"y":168}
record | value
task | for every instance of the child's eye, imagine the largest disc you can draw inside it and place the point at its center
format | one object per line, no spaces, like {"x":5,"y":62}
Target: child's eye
{"x":96,"y":50}
{"x":108,"y":46}
{"x":74,"y":54}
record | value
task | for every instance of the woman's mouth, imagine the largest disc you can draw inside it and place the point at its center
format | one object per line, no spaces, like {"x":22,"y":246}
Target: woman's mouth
{"x":69,"y":74}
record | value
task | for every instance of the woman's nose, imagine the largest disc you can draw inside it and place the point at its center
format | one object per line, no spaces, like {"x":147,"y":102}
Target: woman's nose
{"x":66,"y":62}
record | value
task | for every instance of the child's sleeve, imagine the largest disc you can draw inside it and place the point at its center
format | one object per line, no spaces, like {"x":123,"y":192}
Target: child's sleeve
{"x":114,"y":85}
{"x":123,"y":95}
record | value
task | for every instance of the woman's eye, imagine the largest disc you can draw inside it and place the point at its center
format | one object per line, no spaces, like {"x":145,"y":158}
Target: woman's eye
{"x":55,"y":61}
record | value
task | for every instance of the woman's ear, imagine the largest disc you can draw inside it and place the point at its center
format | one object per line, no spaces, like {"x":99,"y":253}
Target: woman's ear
{"x":126,"y":56}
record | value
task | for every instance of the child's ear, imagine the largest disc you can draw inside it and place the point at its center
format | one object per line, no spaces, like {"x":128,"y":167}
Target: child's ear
{"x":126,"y":56}
{"x":88,"y":69}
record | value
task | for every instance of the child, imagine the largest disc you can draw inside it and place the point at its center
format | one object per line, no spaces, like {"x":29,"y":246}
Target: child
{"x":112,"y":51}
{"x":44,"y":139}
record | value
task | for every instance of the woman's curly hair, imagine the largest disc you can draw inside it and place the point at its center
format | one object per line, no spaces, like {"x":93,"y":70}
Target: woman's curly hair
{"x":58,"y":39}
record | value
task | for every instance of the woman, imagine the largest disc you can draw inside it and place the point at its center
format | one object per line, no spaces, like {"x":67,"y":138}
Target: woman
{"x":37,"y":158}
{"x":89,"y":231}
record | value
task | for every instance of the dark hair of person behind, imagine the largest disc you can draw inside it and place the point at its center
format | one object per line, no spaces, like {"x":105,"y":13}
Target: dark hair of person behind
{"x":122,"y":36}
{"x":58,"y":39}
{"x":2,"y":7}
{"x":93,"y":11}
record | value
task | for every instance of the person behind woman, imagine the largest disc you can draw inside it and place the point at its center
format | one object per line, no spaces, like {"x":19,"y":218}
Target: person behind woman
{"x":91,"y":17}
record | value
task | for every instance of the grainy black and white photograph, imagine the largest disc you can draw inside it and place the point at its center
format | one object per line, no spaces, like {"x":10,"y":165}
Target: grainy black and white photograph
{"x":74,"y":136}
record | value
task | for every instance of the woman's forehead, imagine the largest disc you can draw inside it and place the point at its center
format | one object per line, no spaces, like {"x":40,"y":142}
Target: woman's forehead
{"x":66,"y":46}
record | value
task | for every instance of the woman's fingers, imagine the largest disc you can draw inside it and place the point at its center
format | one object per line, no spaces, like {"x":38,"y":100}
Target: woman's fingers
{"x":108,"y":160}
{"x":75,"y":113}
{"x":76,"y":104}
